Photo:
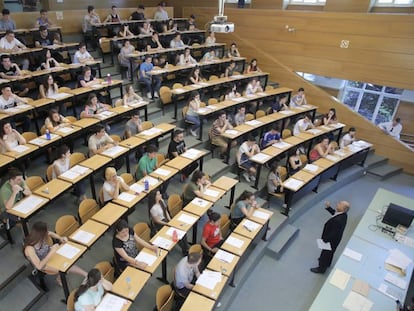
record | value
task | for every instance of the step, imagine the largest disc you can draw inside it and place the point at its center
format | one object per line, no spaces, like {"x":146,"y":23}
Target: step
{"x":23,"y":296}
{"x":282,"y":240}
{"x":384,"y":171}
{"x":215,"y":168}
{"x":12,"y":264}
{"x":374,"y":160}
{"x":3,"y":242}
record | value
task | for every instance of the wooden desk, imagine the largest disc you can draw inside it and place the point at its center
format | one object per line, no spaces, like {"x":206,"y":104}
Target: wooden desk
{"x":131,"y":289}
{"x":4,"y":160}
{"x":248,"y":229}
{"x":225,"y":266}
{"x":68,"y":130}
{"x":162,"y":254}
{"x":198,"y":206}
{"x":108,"y":301}
{"x":319,"y":169}
{"x":294,"y":140}
{"x":302,"y":177}
{"x":225,"y":183}
{"x":96,"y":162}
{"x":194,"y":155}
{"x":109,"y":214}
{"x":211,"y":293}
{"x":25,"y":150}
{"x":197,"y":302}
{"x":177,"y":221}
{"x":132,"y":142}
{"x":88,"y":233}
{"x":179,"y":163}
{"x":86,"y":122}
{"x":73,"y":176}
{"x":114,"y":152}
{"x":129,"y":204}
{"x":150,"y":134}
{"x":163,"y":233}
{"x":166,"y":127}
{"x":164,"y":172}
{"x":261,"y":215}
{"x":42,"y":141}
{"x":53,"y":188}
{"x":41,"y":102}
{"x":216,"y":194}
{"x":154,"y":183}
{"x":233,"y":249}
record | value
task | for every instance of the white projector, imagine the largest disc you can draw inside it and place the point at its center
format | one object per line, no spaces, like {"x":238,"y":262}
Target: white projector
{"x":222,"y":27}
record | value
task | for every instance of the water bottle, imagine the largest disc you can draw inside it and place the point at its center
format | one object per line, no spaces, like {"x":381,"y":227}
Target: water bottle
{"x":175,"y":236}
{"x":128,"y":282}
{"x":146,"y":185}
{"x":48,"y":137}
{"x":166,"y":65}
{"x":109,"y":78}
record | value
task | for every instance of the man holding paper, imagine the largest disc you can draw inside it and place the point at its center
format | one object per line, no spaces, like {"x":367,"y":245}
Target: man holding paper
{"x":332,"y":234}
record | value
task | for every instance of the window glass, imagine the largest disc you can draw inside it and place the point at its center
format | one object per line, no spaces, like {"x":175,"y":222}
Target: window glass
{"x":393,"y":90}
{"x":394,"y":2}
{"x":307,"y":1}
{"x":373,"y":87}
{"x":356,"y":84}
{"x":351,"y":98}
{"x":387,"y":109}
{"x":368,"y":105}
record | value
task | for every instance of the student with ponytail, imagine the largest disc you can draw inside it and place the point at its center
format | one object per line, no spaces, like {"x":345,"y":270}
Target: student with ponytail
{"x":244,"y":207}
{"x":212,"y":238}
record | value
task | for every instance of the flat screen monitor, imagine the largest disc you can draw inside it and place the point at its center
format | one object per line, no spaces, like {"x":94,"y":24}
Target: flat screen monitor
{"x":398,"y":215}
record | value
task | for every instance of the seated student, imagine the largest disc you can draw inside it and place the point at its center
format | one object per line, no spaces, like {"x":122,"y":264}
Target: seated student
{"x":48,"y":87}
{"x":43,"y":20}
{"x":169,"y":27}
{"x":127,"y":48}
{"x":245,"y":206}
{"x":138,"y":15}
{"x":125,"y":243}
{"x":9,"y":43}
{"x":154,"y":44}
{"x":124,"y":32}
{"x":253,"y":66}
{"x":176,"y":42}
{"x":271,"y":137}
{"x":161,"y":14}
{"x":196,"y":187}
{"x":209,"y":56}
{"x":211,"y":38}
{"x":232,"y":93}
{"x":37,"y":250}
{"x":295,"y":162}
{"x":185,"y":272}
{"x":12,"y":191}
{"x":392,"y":128}
{"x":274,"y":180}
{"x":220,"y":125}
{"x":298,"y":99}
{"x":89,"y":295}
{"x":240,"y":116}
{"x":11,"y":137}
{"x":11,"y":71}
{"x":348,"y":138}
{"x":6,"y":23}
{"x":253,"y":87}
{"x":321,"y":150}
{"x":195,"y":76}
{"x":233,"y":51}
{"x":89,"y":23}
{"x":44,"y":38}
{"x":113,"y":185}
{"x":212,"y":238}
{"x":113,"y":17}
{"x":279,"y":105}
{"x":10,"y":100}
{"x":248,"y":149}
{"x":186,"y":59}
{"x":152,"y":83}
{"x":82,"y":56}
{"x":131,"y":97}
{"x":133,"y":125}
{"x":330,"y":117}
{"x":146,"y":29}
{"x":99,"y":141}
{"x":93,"y":107}
{"x":55,"y":121}
{"x":192,"y":116}
{"x":87,"y":78}
{"x":148,"y":163}
{"x":230,"y":69}
{"x":190,"y":24}
{"x":48,"y":62}
{"x":177,"y":147}
{"x":61,"y":165}
{"x":303,"y":124}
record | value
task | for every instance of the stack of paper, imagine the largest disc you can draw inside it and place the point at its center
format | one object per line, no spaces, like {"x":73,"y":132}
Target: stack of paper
{"x":250,"y":225}
{"x":162,"y":242}
{"x":260,"y":157}
{"x":261,"y":215}
{"x":253,"y":123}
{"x":83,"y":237}
{"x":111,"y":302}
{"x":282,"y":145}
{"x":211,"y":193}
{"x":127,"y":197}
{"x":79,"y":169}
{"x":235,"y":242}
{"x":146,"y":258}
{"x":180,"y":233}
{"x":340,"y":279}
{"x":357,"y":302}
{"x":398,"y":259}
{"x":113,"y":151}
{"x":191,"y":154}
{"x":187,"y":219}
{"x":314,"y":131}
{"x":293,"y":183}
{"x":397,"y":281}
{"x":68,"y":251}
{"x":209,"y":279}
{"x":70,"y":175}
{"x":162,"y":172}
{"x":224,"y":256}
{"x":311,"y":168}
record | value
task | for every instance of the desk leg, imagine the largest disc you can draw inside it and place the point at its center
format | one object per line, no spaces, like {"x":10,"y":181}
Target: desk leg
{"x":265,"y":228}
{"x":163,"y":278}
{"x":256,"y":183}
{"x":175,"y":108}
{"x":92,"y":183}
{"x":128,"y":166}
{"x":201,"y":163}
{"x":24,"y":227}
{"x":233,"y":276}
{"x":131,"y":70}
{"x":232,"y":196}
{"x":99,"y":70}
{"x":64,"y":285}
{"x":146,"y":113}
{"x":195,"y":232}
{"x":227,"y":159}
{"x":200,"y":135}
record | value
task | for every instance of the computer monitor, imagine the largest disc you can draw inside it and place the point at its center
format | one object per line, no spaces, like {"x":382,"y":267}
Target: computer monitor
{"x":398,"y":215}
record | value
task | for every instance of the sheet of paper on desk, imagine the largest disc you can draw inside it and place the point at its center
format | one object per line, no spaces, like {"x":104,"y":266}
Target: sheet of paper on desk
{"x":231,"y":132}
{"x":162,"y":172}
{"x":238,"y":99}
{"x":202,"y":110}
{"x":282,"y":145}
{"x":361,"y":287}
{"x":137,"y":188}
{"x":191,"y":153}
{"x":52,"y":136}
{"x":28,"y":204}
{"x":20,"y":148}
{"x":70,"y":175}
{"x":360,"y":143}
{"x":58,"y":95}
{"x":211,"y":193}
{"x":293,"y":183}
{"x":286,"y":112}
{"x":311,"y":167}
{"x":253,"y":123}
{"x":323,"y":245}
{"x":340,"y":279}
{"x":340,"y":153}
{"x":179,"y":90}
{"x":38,"y":141}
{"x":357,"y":302}
{"x":127,"y":197}
{"x":162,"y":242}
{"x":314,"y":131}
{"x":151,"y":131}
{"x":187,"y":219}
{"x":393,"y":293}
{"x":352,"y":254}
{"x":354,"y":148}
{"x":23,"y":106}
{"x":261,"y":215}
{"x":338,"y":125}
{"x":113,"y":151}
{"x":68,"y":251}
{"x":180,"y":233}
{"x":397,"y":281}
{"x":107,"y":113}
{"x":199,"y":202}
{"x":235,"y":242}
{"x":79,"y":169}
{"x":66,"y":129}
{"x":260,"y":157}
{"x":252,"y":226}
{"x":147,"y":258}
{"x":398,"y":259}
{"x":83,"y":236}
{"x":111,"y":302}
{"x":332,"y":158}
{"x":152,"y":181}
{"x":209,"y":279}
{"x":212,"y":107}
{"x":224,"y":256}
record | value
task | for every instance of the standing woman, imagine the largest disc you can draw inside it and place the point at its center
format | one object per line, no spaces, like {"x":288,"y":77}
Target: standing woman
{"x":90,"y":294}
{"x":39,"y":252}
{"x":113,"y":185}
{"x":192,"y":115}
{"x":244,"y":207}
{"x":253,"y":66}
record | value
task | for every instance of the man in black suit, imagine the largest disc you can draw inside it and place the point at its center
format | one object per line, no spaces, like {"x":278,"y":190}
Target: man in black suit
{"x":332,"y":233}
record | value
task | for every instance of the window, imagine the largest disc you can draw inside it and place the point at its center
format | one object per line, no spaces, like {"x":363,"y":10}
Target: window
{"x":394,"y":3}
{"x":307,"y":2}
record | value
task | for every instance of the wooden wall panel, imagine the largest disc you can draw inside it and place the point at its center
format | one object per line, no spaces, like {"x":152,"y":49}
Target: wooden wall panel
{"x":347,"y":5}
{"x":267,"y":4}
{"x":280,"y":57}
{"x":406,"y":113}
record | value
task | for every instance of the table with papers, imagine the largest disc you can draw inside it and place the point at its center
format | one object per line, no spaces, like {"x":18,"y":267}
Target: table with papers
{"x":210,"y":284}
{"x":130,"y":283}
{"x":88,"y":233}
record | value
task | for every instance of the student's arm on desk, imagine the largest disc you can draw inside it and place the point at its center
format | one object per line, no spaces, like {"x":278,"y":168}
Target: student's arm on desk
{"x":130,"y":260}
{"x":30,"y":253}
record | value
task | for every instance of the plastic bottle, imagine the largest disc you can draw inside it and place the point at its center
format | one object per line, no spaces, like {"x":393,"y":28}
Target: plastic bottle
{"x":166,"y":65}
{"x":175,"y":236}
{"x":146,"y":185}
{"x":109,"y":78}
{"x":128,"y":282}
{"x":48,"y":137}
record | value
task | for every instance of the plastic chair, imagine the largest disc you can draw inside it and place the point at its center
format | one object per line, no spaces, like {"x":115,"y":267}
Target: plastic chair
{"x":76,"y":158}
{"x":87,"y":208}
{"x":175,"y":204}
{"x":142,"y":230}
{"x":161,"y":160}
{"x":28,"y":136}
{"x":269,"y":87}
{"x":101,"y":197}
{"x":286,"y":133}
{"x":49,"y":173}
{"x":187,"y":123}
{"x":66,"y":225}
{"x":119,"y":102}
{"x":283,"y":175}
{"x":303,"y":159}
{"x":107,"y":270}
{"x":212,"y":101}
{"x":196,"y":248}
{"x":260,"y":113}
{"x":34,"y":182}
{"x":212,"y":77}
{"x":249,"y":116}
{"x":128,"y":178}
{"x":177,"y":85}
{"x":70,"y":303}
{"x":116,"y":138}
{"x":225,"y":225}
{"x":164,"y":298}
{"x":165,"y":96}
{"x":146,"y":125}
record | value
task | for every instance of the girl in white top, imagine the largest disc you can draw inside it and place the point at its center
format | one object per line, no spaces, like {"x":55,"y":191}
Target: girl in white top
{"x":11,"y":137}
{"x":48,"y":88}
{"x":253,"y":87}
{"x":49,"y":61}
{"x":146,"y":29}
{"x":82,"y":55}
{"x":232,"y":93}
{"x":159,"y":211}
{"x":211,"y":39}
{"x":55,"y":121}
{"x":113,"y":185}
{"x":186,"y":58}
{"x":130,"y":96}
{"x":123,"y":59}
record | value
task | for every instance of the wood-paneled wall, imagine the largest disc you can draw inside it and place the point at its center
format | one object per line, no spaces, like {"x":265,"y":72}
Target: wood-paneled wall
{"x":347,"y":5}
{"x":269,"y":42}
{"x":406,"y":113}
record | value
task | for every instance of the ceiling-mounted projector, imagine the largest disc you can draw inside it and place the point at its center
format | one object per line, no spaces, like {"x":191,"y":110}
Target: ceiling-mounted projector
{"x":220,"y":23}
